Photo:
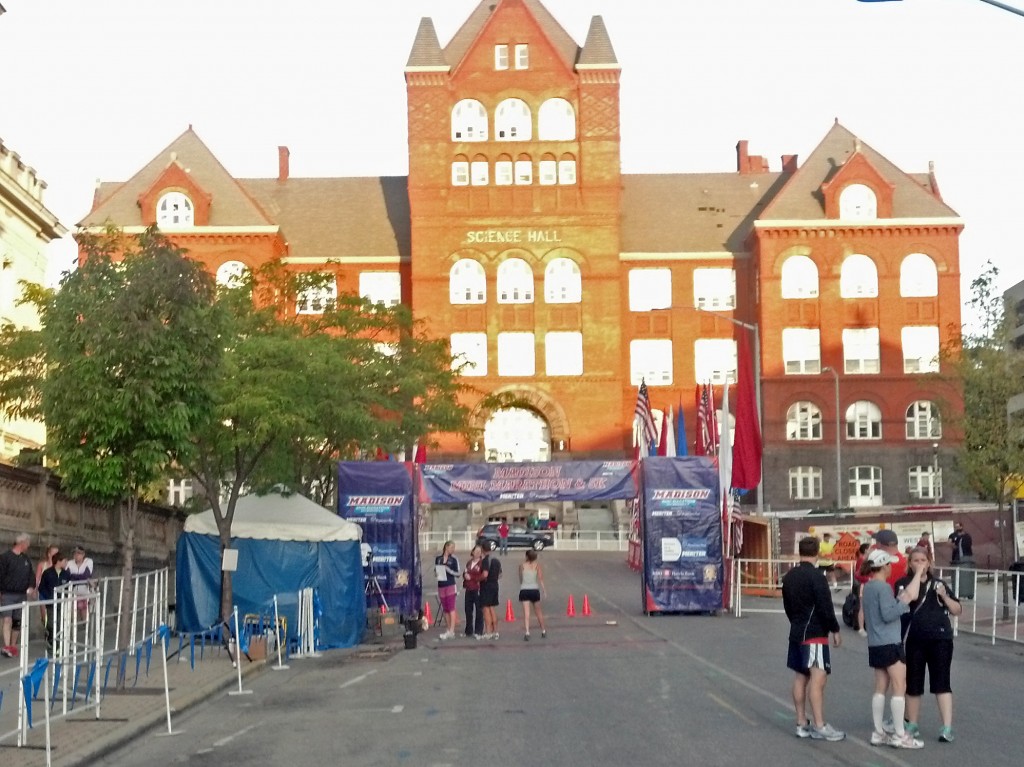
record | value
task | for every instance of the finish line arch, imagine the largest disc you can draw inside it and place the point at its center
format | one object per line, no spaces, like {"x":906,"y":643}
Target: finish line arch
{"x":678,"y":503}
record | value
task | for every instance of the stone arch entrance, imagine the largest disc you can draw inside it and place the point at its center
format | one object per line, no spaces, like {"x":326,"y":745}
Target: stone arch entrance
{"x":527,"y":398}
{"x":516,"y":435}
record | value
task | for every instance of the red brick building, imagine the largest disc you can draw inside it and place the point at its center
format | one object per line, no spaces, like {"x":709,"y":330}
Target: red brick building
{"x":564,"y":281}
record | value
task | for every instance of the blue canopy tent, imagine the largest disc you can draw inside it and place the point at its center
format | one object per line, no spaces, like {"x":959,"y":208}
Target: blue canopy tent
{"x":285,"y":544}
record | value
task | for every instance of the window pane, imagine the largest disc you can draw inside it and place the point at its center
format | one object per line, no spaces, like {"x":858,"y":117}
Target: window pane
{"x":650,"y":360}
{"x":563,"y":354}
{"x":503,"y":172}
{"x":479,"y":172}
{"x":460,"y":173}
{"x":501,"y":57}
{"x":522,"y":56}
{"x":921,"y":350}
{"x":715,"y":360}
{"x":803,"y":421}
{"x":381,"y":287}
{"x":566,"y":171}
{"x":547,"y":171}
{"x":650,"y":289}
{"x":516,"y":354}
{"x":515,"y":282}
{"x":714,"y":289}
{"x":860,"y":350}
{"x":858,"y":277}
{"x":562,"y":283}
{"x":801,"y":350}
{"x":858,"y":202}
{"x":469,"y":351}
{"x":918,"y":276}
{"x":524,"y":172}
{"x":317,"y":297}
{"x":467,"y":284}
{"x":799,"y":278}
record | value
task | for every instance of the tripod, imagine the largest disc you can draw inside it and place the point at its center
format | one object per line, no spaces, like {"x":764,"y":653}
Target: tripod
{"x":373,"y":589}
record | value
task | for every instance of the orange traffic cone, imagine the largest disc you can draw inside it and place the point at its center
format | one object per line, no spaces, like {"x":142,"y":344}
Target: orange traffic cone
{"x":510,"y":617}
{"x":586,"y":606}
{"x":571,"y":609}
{"x":426,"y":613}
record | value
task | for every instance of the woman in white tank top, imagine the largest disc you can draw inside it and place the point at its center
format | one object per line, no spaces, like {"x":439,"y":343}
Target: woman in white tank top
{"x":531,"y":587}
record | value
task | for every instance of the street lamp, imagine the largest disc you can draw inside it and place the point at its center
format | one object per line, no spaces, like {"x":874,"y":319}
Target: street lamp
{"x":839,"y":444}
{"x":937,"y":482}
{"x":753,"y":328}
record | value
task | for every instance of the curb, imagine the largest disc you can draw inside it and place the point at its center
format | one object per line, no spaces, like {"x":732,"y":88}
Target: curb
{"x":91,"y":752}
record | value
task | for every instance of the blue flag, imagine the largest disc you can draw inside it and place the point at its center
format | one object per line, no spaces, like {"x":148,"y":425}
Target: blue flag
{"x":680,"y":431}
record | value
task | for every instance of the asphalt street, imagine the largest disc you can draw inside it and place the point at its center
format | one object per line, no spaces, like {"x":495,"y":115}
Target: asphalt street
{"x":616,"y":688}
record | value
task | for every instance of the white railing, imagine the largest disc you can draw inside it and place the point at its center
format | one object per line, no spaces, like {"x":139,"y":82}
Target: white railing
{"x":574,"y":540}
{"x":757,"y":583}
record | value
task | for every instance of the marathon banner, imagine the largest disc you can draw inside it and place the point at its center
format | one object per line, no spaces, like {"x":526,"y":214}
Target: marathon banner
{"x":378,"y":497}
{"x":563,"y":481}
{"x":681,"y":522}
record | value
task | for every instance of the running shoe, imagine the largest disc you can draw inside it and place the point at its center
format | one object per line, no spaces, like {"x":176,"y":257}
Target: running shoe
{"x":912,"y":728}
{"x":803,"y":730}
{"x":888,"y":727}
{"x":494,"y":635}
{"x":446,"y":635}
{"x":827,"y":732}
{"x":880,"y":738}
{"x":13,"y":650}
{"x":7,"y":651}
{"x":905,"y":741}
{"x":543,"y":634}
{"x":946,"y":735}
{"x":526,"y":637}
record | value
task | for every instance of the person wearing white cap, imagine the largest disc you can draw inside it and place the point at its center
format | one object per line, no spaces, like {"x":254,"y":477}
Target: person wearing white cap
{"x":886,"y":655}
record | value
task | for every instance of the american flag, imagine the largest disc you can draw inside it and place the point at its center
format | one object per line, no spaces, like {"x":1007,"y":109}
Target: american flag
{"x":642,"y":413}
{"x":707,"y":426}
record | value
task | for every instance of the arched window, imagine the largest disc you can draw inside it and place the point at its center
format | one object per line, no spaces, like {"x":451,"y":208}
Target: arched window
{"x":556,"y":121}
{"x":469,"y":121}
{"x":863,"y":420}
{"x":174,"y":209}
{"x":232,"y":274}
{"x":803,"y":421}
{"x":858,"y":278}
{"x":467,"y":283}
{"x":479,"y":171}
{"x":858,"y":202}
{"x":567,"y":170}
{"x":503,"y":170}
{"x":513,"y":121}
{"x":918,"y":276}
{"x":515,"y":282}
{"x":547,"y":170}
{"x":799,"y":278}
{"x":923,"y":421}
{"x":562,"y":284}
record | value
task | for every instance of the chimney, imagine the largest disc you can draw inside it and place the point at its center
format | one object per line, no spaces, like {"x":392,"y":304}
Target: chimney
{"x":282,"y":163}
{"x":789,"y":164}
{"x":742,"y":166}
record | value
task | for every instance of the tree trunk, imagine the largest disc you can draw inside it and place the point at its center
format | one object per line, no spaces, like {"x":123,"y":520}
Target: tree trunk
{"x":226,"y":592}
{"x":129,"y":510}
{"x":1003,"y":559}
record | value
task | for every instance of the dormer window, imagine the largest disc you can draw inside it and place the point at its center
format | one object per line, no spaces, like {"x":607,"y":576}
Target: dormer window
{"x":522,"y":56}
{"x":501,"y":57}
{"x":858,"y":202}
{"x":174,"y":210}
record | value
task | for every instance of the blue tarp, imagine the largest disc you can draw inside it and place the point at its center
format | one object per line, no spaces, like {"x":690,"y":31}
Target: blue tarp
{"x":269,"y":567}
{"x":681,"y":530}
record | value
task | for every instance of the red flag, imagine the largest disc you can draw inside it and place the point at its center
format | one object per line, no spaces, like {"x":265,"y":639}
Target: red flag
{"x":380,"y":455}
{"x":746,"y":447}
{"x":663,"y":440}
{"x":421,"y":452}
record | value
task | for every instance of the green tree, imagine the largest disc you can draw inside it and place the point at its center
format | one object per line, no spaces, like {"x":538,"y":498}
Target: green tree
{"x":989,"y":371}
{"x":131,"y":344}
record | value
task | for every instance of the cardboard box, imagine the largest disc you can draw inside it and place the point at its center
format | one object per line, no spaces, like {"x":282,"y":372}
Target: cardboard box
{"x":257,"y":648}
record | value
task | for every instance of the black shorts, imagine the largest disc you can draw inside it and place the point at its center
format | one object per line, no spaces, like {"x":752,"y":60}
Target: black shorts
{"x":935,"y":655}
{"x":529,"y":595}
{"x":827,"y":568}
{"x":803,"y":657}
{"x":9,"y":599}
{"x":886,"y":655}
{"x":489,"y":595}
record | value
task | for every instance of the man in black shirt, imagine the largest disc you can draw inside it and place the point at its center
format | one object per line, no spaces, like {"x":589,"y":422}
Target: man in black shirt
{"x":963,"y":546}
{"x":17,"y":583}
{"x":53,"y":577}
{"x":807,"y":600}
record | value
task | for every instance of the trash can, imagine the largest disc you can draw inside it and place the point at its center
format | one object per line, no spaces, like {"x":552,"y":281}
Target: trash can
{"x":965,"y":575}
{"x":410,"y":640}
{"x":1018,"y":580}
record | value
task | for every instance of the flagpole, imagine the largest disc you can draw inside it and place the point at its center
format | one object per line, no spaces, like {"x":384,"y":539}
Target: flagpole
{"x":753,"y":328}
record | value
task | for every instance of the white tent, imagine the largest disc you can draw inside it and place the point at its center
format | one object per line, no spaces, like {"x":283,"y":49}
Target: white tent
{"x":278,"y":517}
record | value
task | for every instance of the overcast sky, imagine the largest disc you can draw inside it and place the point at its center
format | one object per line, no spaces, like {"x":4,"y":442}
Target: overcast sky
{"x":95,"y":89}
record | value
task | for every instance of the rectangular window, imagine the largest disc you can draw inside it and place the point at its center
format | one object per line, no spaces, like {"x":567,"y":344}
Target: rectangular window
{"x":921,"y":350}
{"x":925,"y":482}
{"x":317,"y":298}
{"x":563,"y":354}
{"x":501,"y":57}
{"x":547,"y":171}
{"x":714,"y":359}
{"x":866,"y":486}
{"x":860,"y":350}
{"x":479,"y":172}
{"x":469,"y":353}
{"x":503,"y":173}
{"x":566,"y":172}
{"x":524,"y":172}
{"x":516,"y":354}
{"x":381,"y":287}
{"x":522,"y":56}
{"x":805,"y":483}
{"x":460,"y":174}
{"x":650,"y":289}
{"x":801,"y":350}
{"x":714,"y":289}
{"x":179,"y":492}
{"x":650,"y":360}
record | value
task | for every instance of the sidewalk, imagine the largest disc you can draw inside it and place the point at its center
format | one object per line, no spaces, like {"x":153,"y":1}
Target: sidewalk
{"x":82,"y":739}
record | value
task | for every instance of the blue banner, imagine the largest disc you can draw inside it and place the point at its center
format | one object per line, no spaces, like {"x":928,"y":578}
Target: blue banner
{"x":681,"y":529}
{"x":378,"y":496}
{"x":563,"y":481}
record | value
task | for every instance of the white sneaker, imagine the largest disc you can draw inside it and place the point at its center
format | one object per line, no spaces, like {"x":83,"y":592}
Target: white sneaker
{"x":905,"y":741}
{"x":828,"y":732}
{"x":888,"y":727}
{"x":879,"y":739}
{"x":803,"y":730}
{"x":446,"y":635}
